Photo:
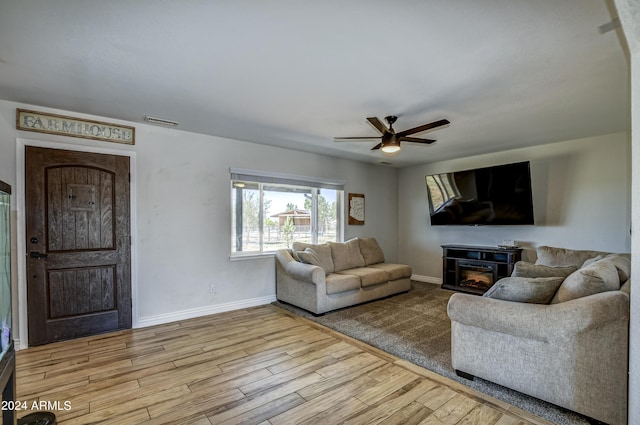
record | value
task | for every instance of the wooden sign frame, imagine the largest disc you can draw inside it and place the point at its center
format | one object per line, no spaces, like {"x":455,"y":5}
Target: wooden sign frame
{"x":43,"y":122}
{"x":356,"y":208}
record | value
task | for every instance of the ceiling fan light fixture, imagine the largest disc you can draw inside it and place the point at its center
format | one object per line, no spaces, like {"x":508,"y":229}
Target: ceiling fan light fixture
{"x":390,"y":148}
{"x":390,"y":143}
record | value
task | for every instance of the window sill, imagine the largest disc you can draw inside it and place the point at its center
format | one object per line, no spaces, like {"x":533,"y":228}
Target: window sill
{"x":241,"y":257}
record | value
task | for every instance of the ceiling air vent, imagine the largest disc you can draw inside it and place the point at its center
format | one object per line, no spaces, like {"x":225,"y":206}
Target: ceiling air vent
{"x":161,"y":121}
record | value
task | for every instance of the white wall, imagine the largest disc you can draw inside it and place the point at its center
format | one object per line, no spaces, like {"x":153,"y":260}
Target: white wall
{"x":183,"y":212}
{"x":581,"y":195}
{"x":634,"y":339}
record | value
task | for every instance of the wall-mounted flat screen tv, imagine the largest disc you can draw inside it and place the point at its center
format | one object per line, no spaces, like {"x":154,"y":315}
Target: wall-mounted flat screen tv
{"x":498,"y":195}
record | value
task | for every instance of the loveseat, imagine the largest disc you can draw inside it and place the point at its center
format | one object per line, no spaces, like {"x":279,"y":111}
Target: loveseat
{"x":325,"y":277}
{"x":567,"y":346}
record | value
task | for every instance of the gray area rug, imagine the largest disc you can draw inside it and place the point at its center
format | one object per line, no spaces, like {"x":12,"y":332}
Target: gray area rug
{"x":414,"y":326}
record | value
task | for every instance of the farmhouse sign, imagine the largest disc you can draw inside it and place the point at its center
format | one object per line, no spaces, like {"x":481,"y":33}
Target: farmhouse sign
{"x":68,"y":126}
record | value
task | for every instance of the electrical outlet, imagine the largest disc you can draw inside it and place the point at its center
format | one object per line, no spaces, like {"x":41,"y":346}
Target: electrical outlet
{"x":212,"y":288}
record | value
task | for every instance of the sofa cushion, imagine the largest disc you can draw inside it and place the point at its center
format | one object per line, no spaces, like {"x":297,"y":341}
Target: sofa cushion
{"x":371,"y":251}
{"x":597,"y":277}
{"x":368,"y":276}
{"x":308,"y":256}
{"x":322,"y":251}
{"x":622,"y":264}
{"x":337,"y":283}
{"x":533,"y":290}
{"x":525,"y":269}
{"x":557,"y":257}
{"x":591,"y":260}
{"x":394,"y":271}
{"x":346,"y":255}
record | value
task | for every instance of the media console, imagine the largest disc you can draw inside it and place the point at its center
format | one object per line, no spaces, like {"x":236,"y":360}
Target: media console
{"x":474,"y":269}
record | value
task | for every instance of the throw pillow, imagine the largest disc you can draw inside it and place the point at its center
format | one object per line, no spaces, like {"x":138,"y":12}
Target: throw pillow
{"x":371,"y":251}
{"x":599,"y":276}
{"x":532,"y":290}
{"x":323,"y":251}
{"x":310,"y":256}
{"x":346,"y":255}
{"x":525,"y":269}
{"x":622,"y":265}
{"x":295,"y":255}
{"x":621,"y":262}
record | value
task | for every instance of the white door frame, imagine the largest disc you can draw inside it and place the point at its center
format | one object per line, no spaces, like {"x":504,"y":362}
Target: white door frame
{"x":21,"y":144}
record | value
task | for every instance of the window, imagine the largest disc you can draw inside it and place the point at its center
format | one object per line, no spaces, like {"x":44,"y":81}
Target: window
{"x":270,"y":212}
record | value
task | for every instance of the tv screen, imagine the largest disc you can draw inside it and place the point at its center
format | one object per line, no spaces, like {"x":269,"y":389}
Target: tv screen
{"x":492,"y":195}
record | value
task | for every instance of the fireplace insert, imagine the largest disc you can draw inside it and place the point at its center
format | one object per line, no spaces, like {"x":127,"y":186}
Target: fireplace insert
{"x":477,"y":276}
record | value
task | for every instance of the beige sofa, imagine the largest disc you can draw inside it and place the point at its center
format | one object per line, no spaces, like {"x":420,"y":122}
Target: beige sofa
{"x":572,"y":352}
{"x":321,"y":278}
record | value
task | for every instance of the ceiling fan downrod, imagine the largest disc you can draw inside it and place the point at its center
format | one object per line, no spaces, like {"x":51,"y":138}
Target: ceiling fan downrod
{"x":391,"y":119}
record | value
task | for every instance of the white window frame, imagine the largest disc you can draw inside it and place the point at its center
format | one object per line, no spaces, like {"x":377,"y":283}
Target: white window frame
{"x":265,"y":177}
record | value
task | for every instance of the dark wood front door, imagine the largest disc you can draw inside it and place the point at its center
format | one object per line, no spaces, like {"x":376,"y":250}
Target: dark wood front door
{"x":78,"y":244}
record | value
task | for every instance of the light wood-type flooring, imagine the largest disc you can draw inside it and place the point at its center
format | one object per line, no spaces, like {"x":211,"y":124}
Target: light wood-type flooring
{"x":260,"y":365}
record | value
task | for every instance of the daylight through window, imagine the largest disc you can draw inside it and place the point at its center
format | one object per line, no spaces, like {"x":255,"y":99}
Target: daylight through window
{"x":269,"y":213}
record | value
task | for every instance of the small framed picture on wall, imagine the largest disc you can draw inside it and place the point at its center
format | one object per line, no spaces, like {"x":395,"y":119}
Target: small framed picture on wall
{"x":356,"y":208}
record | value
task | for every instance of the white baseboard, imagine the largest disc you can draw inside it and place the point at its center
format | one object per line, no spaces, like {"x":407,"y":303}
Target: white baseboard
{"x":426,"y":279}
{"x":202,"y":311}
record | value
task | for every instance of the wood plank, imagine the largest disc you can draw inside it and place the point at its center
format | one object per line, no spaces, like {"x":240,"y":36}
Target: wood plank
{"x":337,"y":413}
{"x":321,"y":405}
{"x":234,"y":409}
{"x":391,"y":404}
{"x":481,"y":415}
{"x":395,"y":382}
{"x":411,"y":414}
{"x":328,"y":385}
{"x":179,"y":409}
{"x":266,"y":411}
{"x":455,"y":409}
{"x":54,"y":201}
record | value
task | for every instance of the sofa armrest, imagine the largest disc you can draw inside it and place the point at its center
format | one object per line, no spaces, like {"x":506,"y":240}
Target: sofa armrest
{"x":298,"y":270}
{"x":538,"y":321}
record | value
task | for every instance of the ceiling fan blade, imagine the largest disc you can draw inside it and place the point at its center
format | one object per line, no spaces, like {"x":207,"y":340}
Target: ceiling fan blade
{"x":417,"y":140}
{"x":423,"y":128}
{"x":355,"y":139}
{"x":379,"y":125}
{"x":376,"y":147}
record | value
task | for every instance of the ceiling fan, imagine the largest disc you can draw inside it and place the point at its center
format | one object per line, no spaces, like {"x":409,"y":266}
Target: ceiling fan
{"x":390,"y":142}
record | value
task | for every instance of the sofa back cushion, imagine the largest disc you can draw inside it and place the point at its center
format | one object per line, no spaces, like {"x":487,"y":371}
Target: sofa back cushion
{"x":371,"y":251}
{"x":322,"y":252}
{"x":346,"y":255}
{"x":599,"y":276}
{"x":525,"y":269}
{"x":557,"y":257}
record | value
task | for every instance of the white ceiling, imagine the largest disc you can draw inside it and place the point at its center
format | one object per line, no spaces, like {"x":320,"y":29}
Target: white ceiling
{"x":294,"y":73}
